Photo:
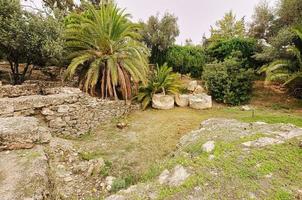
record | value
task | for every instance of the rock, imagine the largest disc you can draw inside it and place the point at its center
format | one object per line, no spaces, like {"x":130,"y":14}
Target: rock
{"x":246,"y":108}
{"x":192,"y":86}
{"x":121,"y":125}
{"x":162,"y":102}
{"x":115,"y":197}
{"x":24,"y":175}
{"x":57,"y":122}
{"x":174,"y":178}
{"x":208,"y":146}
{"x":261,"y":142}
{"x":95,"y":166}
{"x":109,"y":182}
{"x":199,"y":90}
{"x":201,"y":101}
{"x":22,"y":133}
{"x":63,"y":109}
{"x":47,"y":111}
{"x":163,"y":177}
{"x":182,"y":100}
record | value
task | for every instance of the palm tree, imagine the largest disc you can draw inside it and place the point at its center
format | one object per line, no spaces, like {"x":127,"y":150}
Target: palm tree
{"x":106,"y":51}
{"x":286,"y":71}
{"x":163,"y":80}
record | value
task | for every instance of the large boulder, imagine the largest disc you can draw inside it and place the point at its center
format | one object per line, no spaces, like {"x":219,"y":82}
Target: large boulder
{"x":199,"y":90}
{"x":192,"y":86}
{"x":182,"y":100}
{"x":162,"y":102}
{"x":200,"y":101}
{"x":22,"y":133}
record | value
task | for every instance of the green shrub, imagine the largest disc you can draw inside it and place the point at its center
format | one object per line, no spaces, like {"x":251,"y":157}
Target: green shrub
{"x":186,"y":59}
{"x":224,"y":49}
{"x":228,"y":81}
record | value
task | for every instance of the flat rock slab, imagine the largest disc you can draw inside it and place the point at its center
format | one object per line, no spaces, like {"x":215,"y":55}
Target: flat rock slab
{"x":230,"y":129}
{"x":23,"y":175}
{"x":22,"y":133}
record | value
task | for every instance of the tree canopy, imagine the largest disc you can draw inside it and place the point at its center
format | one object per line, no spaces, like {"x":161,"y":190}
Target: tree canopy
{"x":159,"y":34}
{"x":228,"y":27}
{"x":30,"y":38}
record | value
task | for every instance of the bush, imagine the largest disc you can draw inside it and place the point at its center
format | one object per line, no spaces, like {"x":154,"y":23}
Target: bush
{"x":228,"y":82}
{"x":163,"y":80}
{"x":224,"y":49}
{"x":186,"y":59}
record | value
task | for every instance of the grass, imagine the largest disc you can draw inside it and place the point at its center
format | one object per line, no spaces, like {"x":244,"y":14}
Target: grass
{"x":142,"y":150}
{"x":241,"y":173}
{"x":153,"y":134}
{"x":90,"y":155}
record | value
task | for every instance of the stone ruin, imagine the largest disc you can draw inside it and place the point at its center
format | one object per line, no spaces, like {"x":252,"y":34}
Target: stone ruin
{"x":31,"y":118}
{"x":65,"y":111}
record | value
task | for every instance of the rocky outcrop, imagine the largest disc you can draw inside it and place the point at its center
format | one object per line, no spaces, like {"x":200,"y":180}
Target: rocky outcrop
{"x":24,"y":175}
{"x":162,"y":102}
{"x":200,"y":101}
{"x":274,"y":133}
{"x":22,"y":133}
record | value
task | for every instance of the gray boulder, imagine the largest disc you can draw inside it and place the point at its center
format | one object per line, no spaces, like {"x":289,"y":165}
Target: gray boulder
{"x":192,"y":86}
{"x":200,"y":101}
{"x":182,"y":100}
{"x":199,"y":90}
{"x":162,"y":102}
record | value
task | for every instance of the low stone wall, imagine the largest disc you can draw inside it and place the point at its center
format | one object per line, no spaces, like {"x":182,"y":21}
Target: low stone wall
{"x":32,"y":87}
{"x":19,"y":90}
{"x":66,"y":111}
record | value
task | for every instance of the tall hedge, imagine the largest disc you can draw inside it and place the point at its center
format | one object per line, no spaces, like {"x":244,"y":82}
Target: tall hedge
{"x":186,"y":59}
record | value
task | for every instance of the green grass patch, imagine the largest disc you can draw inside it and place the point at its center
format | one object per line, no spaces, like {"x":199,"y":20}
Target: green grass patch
{"x":90,"y":155}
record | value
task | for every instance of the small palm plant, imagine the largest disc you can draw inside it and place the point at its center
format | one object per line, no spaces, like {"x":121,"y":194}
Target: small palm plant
{"x":285,"y":71}
{"x":163,"y":80}
{"x":105,"y":49}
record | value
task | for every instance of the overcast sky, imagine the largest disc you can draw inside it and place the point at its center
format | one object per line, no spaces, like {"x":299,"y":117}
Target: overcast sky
{"x":194,"y":16}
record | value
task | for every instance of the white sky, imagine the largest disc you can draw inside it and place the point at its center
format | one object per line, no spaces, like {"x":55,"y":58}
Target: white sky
{"x":194,"y":16}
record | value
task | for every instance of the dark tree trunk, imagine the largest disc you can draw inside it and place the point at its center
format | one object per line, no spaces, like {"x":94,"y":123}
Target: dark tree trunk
{"x":17,"y":77}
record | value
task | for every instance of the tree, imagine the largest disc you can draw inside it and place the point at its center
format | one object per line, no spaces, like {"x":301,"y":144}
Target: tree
{"x":223,"y":49}
{"x":106,"y":52}
{"x":289,"y":12}
{"x":186,"y":59}
{"x":286,"y":70}
{"x":159,"y":35}
{"x":33,"y":39}
{"x":227,"y":28}
{"x":63,"y":5}
{"x":263,"y":19}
